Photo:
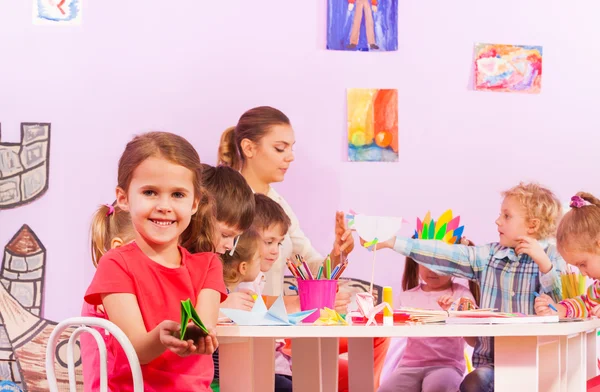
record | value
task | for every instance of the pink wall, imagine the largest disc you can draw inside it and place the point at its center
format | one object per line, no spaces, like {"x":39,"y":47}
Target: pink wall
{"x":194,"y":68}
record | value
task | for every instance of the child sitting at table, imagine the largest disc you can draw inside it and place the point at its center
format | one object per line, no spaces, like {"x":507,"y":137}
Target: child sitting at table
{"x":428,"y":364}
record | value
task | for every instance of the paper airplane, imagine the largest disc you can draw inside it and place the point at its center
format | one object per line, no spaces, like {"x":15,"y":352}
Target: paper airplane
{"x":260,"y":315}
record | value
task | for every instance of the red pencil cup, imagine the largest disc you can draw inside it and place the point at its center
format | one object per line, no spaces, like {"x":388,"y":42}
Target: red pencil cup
{"x":316,"y":294}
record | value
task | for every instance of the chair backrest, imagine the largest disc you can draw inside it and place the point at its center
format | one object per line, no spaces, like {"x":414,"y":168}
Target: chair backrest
{"x":84,"y":324}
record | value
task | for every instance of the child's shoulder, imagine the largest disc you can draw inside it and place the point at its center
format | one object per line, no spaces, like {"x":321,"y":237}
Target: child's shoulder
{"x":201,"y":256}
{"x":120,"y":253}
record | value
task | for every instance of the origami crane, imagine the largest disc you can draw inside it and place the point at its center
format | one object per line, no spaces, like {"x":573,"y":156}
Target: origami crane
{"x":260,"y":315}
{"x":367,"y":309}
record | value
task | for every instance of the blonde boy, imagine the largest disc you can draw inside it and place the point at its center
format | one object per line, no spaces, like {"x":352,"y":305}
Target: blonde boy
{"x":508,"y":271}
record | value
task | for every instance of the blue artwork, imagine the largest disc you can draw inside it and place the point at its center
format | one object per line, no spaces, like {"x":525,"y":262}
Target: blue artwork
{"x":365,"y":25}
{"x":57,"y":12}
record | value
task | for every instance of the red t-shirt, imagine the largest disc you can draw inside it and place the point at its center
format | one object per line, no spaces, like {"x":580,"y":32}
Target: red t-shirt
{"x":159,"y":291}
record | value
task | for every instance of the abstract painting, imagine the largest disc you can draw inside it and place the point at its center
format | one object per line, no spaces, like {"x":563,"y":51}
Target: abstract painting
{"x":364,"y":25}
{"x":57,"y":12}
{"x":24,"y":333}
{"x":24,"y":166}
{"x":508,"y":68}
{"x":372,"y":125}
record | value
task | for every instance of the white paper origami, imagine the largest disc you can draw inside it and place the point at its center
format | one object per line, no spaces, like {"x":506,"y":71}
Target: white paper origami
{"x":260,"y":315}
{"x":381,"y":227}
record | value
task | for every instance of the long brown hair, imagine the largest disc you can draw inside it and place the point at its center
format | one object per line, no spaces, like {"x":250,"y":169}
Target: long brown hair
{"x":106,"y":225}
{"x":579,"y":229}
{"x":252,"y":125}
{"x":410,"y":278}
{"x":179,"y":151}
{"x":232,"y":194}
{"x":245,"y":251}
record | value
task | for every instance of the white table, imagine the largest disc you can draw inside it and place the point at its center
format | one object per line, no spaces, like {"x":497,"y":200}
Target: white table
{"x":552,"y":357}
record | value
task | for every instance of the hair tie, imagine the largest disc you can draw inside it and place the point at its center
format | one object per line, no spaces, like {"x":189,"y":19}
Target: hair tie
{"x":111,"y":209}
{"x":235,"y":242}
{"x":577,"y":202}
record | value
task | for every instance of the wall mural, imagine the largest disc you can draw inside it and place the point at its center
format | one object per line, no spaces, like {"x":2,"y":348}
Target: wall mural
{"x":24,"y":166}
{"x":24,"y":333}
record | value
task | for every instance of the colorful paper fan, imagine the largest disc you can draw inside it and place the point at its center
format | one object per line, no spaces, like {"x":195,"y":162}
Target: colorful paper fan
{"x":446,"y":228}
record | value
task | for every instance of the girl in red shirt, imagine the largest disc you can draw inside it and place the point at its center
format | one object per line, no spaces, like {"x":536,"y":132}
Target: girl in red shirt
{"x":141,"y":284}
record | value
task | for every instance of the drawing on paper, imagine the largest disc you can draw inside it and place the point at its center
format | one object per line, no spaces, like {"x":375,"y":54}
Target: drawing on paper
{"x":363,"y":25}
{"x":508,"y":68}
{"x":57,"y":12}
{"x":372,"y":125}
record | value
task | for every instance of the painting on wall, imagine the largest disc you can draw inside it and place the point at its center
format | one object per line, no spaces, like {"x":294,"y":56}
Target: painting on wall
{"x":508,"y":68}
{"x":363,"y":25}
{"x":23,"y":331}
{"x":57,"y":12}
{"x":372,"y":125}
{"x":24,"y":166}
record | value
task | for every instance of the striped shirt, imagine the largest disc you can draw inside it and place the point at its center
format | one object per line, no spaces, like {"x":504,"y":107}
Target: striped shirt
{"x":507,"y":281}
{"x":582,"y":305}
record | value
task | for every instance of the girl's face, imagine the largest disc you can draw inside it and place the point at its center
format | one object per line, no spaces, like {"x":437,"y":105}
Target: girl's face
{"x":252,"y":268}
{"x":434,"y":281}
{"x":161,"y":202}
{"x":272,"y":156}
{"x":587,"y":263}
{"x":225,"y":237}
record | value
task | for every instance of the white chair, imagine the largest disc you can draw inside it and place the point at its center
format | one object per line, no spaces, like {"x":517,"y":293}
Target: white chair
{"x":84,"y":324}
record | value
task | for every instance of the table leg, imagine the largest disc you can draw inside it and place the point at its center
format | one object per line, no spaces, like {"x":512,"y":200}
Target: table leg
{"x":591,"y":354}
{"x":247,"y":364}
{"x":549,"y":364}
{"x":360,"y":365}
{"x":516,"y":364}
{"x":576,"y":380}
{"x":329,"y":364}
{"x":306,"y":365}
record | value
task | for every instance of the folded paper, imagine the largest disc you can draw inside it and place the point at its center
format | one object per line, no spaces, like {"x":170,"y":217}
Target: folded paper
{"x":260,"y":315}
{"x":188,"y":313}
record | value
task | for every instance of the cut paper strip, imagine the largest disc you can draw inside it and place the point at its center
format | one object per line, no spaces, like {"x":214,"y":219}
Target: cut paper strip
{"x":453,"y":224}
{"x":445,"y":229}
{"x":381,"y":227}
{"x":260,"y":315}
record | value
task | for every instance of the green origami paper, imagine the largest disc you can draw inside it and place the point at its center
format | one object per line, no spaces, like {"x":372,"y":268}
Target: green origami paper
{"x":189,"y":313}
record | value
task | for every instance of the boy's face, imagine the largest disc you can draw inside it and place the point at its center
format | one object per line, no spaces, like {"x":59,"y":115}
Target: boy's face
{"x":224,"y":237}
{"x":272,"y":239}
{"x":512,"y":222}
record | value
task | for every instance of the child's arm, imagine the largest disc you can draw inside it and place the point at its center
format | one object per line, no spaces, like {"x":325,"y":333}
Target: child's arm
{"x":550,"y":264}
{"x":207,"y":307}
{"x":458,"y":260}
{"x":582,"y":306}
{"x":123,"y":310}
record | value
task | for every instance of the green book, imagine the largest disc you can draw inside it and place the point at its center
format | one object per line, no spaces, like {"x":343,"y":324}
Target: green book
{"x":189,"y":313}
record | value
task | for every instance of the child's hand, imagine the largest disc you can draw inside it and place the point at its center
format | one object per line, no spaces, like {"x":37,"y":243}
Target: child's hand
{"x":465,"y":241}
{"x":381,"y":245}
{"x":445,"y":301}
{"x":208,"y":344}
{"x":531,"y":247}
{"x":241,"y":299}
{"x":342,"y":300}
{"x":595,"y":311}
{"x":542,"y":305}
{"x":344,"y":242}
{"x":169,"y":337}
